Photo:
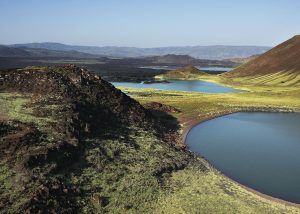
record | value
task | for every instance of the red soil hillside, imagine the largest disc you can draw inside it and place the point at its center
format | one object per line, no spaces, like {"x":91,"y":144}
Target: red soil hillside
{"x":282,"y":58}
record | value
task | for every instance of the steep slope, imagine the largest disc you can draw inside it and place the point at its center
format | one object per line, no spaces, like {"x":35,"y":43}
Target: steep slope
{"x":183,"y":73}
{"x":71,"y":142}
{"x":282,"y":58}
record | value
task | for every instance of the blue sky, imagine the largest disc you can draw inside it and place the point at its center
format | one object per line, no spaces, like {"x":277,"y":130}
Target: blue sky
{"x":149,"y":23}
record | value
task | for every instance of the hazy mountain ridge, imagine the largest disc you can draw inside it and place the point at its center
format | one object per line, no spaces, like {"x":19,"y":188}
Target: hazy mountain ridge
{"x":23,"y":51}
{"x":201,"y":52}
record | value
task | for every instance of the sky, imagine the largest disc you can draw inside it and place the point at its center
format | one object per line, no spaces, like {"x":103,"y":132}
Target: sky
{"x":149,"y":23}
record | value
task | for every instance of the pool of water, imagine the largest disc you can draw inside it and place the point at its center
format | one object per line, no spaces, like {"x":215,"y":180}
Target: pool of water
{"x":216,"y":70}
{"x":259,"y":150}
{"x":181,"y":85}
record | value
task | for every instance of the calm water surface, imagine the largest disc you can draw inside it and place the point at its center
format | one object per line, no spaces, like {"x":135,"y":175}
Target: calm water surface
{"x":214,"y":69}
{"x":181,"y":85}
{"x":259,"y":150}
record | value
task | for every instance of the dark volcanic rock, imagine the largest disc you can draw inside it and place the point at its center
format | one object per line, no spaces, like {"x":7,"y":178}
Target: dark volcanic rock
{"x":94,"y":103}
{"x":90,"y":108}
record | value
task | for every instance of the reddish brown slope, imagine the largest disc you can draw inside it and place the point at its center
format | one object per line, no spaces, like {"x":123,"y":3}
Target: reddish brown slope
{"x":284,"y":57}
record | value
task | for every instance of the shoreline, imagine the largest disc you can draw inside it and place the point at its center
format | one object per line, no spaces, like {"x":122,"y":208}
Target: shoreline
{"x":194,"y":122}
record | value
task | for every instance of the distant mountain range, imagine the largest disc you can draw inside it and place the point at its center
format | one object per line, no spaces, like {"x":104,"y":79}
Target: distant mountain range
{"x":20,"y":56}
{"x":23,"y":51}
{"x":200,"y":52}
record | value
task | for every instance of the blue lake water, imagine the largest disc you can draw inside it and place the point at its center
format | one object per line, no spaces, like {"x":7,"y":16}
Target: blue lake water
{"x":181,"y":85}
{"x":259,"y":150}
{"x":214,"y":69}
